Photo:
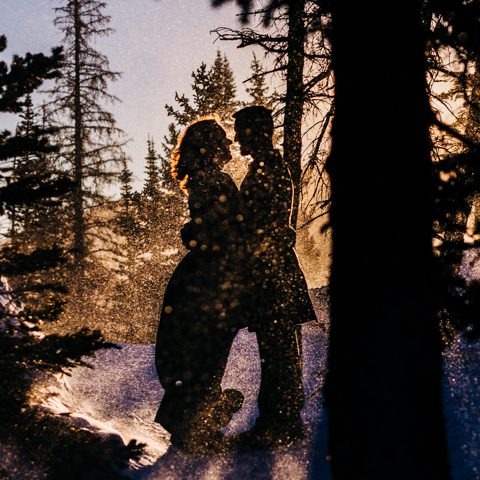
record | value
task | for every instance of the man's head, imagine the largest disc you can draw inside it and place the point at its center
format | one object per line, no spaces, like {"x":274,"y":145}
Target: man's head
{"x":253,"y":129}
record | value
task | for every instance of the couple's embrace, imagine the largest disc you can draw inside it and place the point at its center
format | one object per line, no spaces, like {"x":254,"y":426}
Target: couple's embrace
{"x":241,"y":270}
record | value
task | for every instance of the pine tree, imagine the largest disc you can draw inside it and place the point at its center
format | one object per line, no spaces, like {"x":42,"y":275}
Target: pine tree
{"x":202,"y":90}
{"x":25,"y":351}
{"x":214,"y":93}
{"x":151,"y":188}
{"x":152,"y":199}
{"x":168,"y":144}
{"x":124,"y":288}
{"x":126,"y":190}
{"x":91,"y":143}
{"x":221,"y":89}
{"x":152,"y":195}
{"x":186,"y":113}
{"x":31,"y":191}
{"x":257,"y":86}
{"x":33,"y":224}
{"x":36,"y":227}
{"x":24,"y":128}
{"x":129,"y":203}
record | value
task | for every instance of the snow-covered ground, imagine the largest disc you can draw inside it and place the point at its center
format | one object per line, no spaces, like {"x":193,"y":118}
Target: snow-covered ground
{"x":122,"y":394}
{"x":462,"y":408}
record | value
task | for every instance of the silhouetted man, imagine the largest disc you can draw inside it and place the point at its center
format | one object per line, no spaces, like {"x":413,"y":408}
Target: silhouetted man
{"x":276,"y":289}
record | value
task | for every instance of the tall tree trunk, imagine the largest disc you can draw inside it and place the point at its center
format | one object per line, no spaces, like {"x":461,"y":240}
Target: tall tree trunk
{"x":294,"y":99}
{"x":78,"y":193}
{"x":384,"y":380}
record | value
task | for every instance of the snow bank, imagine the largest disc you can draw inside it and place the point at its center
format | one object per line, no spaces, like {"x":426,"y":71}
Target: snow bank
{"x":119,"y":397}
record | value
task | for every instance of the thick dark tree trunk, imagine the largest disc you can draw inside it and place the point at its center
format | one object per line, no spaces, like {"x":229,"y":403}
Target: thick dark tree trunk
{"x":384,"y":380}
{"x":294,"y":99}
{"x":78,"y":193}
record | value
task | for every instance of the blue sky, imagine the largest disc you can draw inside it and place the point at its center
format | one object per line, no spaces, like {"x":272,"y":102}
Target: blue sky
{"x":156,"y":45}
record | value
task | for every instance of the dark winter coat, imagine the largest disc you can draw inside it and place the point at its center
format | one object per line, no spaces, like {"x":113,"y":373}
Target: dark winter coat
{"x":201,"y":300}
{"x":277,"y":286}
{"x":215,"y":225}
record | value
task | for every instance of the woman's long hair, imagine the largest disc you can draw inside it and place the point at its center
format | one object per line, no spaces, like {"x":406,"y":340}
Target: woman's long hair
{"x":196,"y":148}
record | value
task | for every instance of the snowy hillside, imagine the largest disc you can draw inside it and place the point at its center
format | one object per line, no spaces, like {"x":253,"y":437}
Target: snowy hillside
{"x":122,"y":394}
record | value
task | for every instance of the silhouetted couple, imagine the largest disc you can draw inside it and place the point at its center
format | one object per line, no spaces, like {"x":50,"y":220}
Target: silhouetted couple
{"x":241,"y":270}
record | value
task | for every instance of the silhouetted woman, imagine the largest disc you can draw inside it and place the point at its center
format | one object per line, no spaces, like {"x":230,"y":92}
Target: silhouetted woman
{"x":197,"y":322}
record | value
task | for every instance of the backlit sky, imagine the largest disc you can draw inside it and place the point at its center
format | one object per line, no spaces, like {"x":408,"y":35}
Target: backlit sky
{"x":156,"y":46}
